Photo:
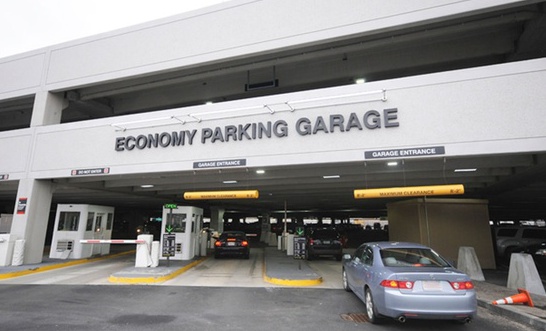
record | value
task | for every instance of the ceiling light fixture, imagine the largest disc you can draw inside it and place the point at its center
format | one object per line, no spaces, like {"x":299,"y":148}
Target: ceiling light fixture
{"x":392,"y":163}
{"x":331,"y":176}
{"x":465,"y":170}
{"x":360,"y":81}
{"x":146,"y":186}
{"x":260,"y":172}
{"x":229,"y":182}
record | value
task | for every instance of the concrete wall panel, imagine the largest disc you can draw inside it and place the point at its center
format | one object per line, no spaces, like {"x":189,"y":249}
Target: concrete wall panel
{"x":15,"y":151}
{"x":21,"y":75}
{"x":438,"y":220}
{"x":467,"y":112}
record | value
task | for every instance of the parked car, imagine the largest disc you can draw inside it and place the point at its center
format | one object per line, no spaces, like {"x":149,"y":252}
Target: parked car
{"x":538,"y":252}
{"x":407,"y":280}
{"x":323,"y":242}
{"x":234,"y":243}
{"x":516,"y":239}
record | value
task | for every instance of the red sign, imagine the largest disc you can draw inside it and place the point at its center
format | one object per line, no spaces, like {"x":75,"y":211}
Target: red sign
{"x":22,"y":206}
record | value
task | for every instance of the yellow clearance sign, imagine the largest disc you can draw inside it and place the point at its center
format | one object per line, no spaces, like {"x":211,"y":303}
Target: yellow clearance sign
{"x":412,"y":191}
{"x":222,"y":195}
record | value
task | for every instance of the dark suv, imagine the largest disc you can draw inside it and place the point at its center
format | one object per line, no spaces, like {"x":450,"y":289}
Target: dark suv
{"x":515,"y":239}
{"x":323,"y":241}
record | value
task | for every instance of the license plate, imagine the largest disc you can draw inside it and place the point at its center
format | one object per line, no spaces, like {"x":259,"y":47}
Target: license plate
{"x":432,"y":285}
{"x":231,"y":244}
{"x":327,"y":242}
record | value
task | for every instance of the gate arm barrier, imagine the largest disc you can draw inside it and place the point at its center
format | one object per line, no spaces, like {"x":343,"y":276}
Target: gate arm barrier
{"x":143,"y":257}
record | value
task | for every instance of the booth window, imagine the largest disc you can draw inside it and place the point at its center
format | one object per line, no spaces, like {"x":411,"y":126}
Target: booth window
{"x":90,"y":217}
{"x":68,"y":221}
{"x":178,"y":222}
{"x":109,"y":221}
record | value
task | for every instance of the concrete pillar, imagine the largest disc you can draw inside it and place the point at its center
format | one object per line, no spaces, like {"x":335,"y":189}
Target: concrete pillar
{"x":217,"y":219}
{"x":290,"y":244}
{"x":48,"y":108}
{"x":34,"y":196}
{"x":31,"y":216}
{"x":265,"y":229}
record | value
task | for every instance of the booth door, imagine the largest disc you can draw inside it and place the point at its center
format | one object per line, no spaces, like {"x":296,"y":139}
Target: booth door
{"x":98,"y":233}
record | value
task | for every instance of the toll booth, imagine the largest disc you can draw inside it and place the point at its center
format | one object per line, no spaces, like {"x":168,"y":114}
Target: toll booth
{"x":180,"y":232}
{"x":76,"y":222}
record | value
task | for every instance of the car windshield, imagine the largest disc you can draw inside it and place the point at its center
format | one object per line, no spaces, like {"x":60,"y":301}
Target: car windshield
{"x":324,"y":234}
{"x":416,"y":257}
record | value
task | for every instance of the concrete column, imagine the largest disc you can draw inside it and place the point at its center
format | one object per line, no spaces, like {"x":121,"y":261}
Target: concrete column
{"x":31,"y":216}
{"x":48,"y":108}
{"x":217,"y":219}
{"x":265,"y":229}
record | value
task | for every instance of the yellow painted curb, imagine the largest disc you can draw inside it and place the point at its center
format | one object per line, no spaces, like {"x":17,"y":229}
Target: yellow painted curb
{"x":59,"y":265}
{"x":149,"y":280}
{"x":293,"y":282}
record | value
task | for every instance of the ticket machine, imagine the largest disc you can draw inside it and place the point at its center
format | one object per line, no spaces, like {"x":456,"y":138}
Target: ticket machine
{"x":76,"y":222}
{"x":183,"y":224}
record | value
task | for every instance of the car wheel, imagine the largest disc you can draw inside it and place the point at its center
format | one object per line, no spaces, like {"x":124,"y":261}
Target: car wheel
{"x":371,"y":313}
{"x":345,"y":281}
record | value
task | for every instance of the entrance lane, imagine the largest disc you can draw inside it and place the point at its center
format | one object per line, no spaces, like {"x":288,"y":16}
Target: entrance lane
{"x":225,"y":272}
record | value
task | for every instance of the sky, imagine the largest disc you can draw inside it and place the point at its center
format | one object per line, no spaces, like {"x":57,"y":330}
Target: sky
{"x":27,"y":25}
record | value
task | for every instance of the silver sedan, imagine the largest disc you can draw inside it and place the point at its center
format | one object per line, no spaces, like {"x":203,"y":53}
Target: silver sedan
{"x":408,"y":280}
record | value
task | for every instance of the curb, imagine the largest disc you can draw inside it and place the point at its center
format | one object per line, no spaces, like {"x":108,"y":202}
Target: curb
{"x":520,"y":317}
{"x":152,"y":279}
{"x":293,"y":282}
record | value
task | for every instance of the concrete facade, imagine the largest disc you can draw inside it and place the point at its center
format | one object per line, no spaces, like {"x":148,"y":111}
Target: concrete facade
{"x":483,"y":105}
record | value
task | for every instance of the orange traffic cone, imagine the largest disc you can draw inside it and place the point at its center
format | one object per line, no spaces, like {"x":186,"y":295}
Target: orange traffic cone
{"x":522,"y":297}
